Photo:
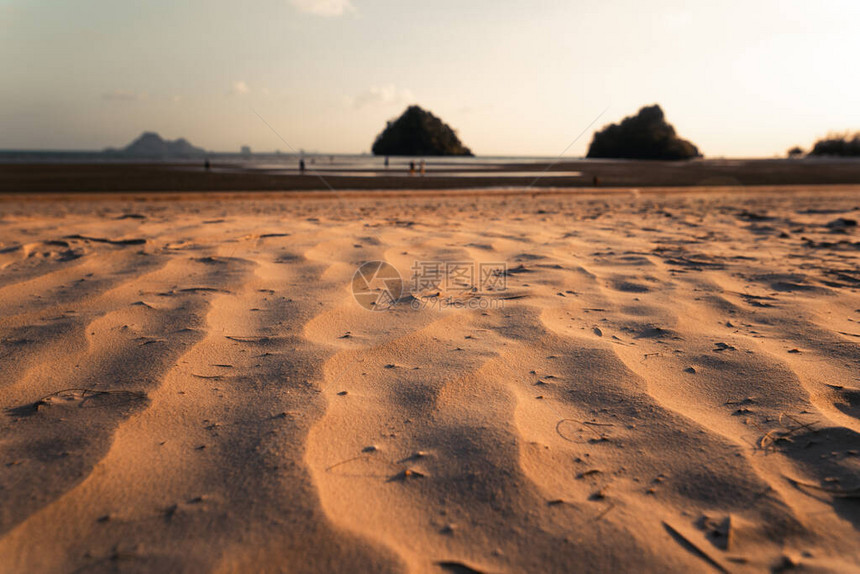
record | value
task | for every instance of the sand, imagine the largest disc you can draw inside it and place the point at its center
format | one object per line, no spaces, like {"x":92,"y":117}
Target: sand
{"x":668,"y":381}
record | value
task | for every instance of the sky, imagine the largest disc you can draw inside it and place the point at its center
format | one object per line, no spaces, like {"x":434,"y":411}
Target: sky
{"x":737,"y":78}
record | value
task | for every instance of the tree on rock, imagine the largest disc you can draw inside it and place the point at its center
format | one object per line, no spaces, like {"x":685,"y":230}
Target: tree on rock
{"x":838,"y":145}
{"x":647,"y":135}
{"x":418,"y":132}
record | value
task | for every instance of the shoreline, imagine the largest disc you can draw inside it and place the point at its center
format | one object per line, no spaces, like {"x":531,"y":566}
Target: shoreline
{"x":607,"y":174}
{"x":353,"y":194}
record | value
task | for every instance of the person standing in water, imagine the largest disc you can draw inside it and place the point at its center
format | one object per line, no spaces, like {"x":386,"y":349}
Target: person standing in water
{"x":422,"y":166}
{"x":302,"y":166}
{"x":412,"y":167}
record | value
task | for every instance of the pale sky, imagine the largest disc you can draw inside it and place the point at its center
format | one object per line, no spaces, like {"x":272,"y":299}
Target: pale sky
{"x":737,"y":78}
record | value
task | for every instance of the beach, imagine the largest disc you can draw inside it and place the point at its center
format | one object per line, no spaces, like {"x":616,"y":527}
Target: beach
{"x":642,"y":379}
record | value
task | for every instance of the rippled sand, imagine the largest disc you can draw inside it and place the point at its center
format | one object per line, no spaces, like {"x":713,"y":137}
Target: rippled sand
{"x":668,"y":382}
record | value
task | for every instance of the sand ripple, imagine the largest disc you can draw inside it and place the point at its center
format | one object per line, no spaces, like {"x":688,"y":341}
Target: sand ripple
{"x":669,"y":383}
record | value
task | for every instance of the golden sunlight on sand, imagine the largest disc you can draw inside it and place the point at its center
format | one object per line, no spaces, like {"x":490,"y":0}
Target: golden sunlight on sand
{"x":665,"y":382}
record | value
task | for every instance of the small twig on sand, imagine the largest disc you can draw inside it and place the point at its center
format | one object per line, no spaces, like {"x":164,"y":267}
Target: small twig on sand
{"x":836,"y":492}
{"x":684,"y":541}
{"x":580,"y":423}
{"x":773,"y":435}
{"x":606,"y":511}
{"x":247,"y":339}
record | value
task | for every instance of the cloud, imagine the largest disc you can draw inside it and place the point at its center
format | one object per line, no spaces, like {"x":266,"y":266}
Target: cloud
{"x":240,"y":88}
{"x":123,"y":96}
{"x":328,"y":8}
{"x":381,"y":95}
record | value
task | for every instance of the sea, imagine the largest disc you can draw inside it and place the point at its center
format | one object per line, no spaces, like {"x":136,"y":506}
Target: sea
{"x":354,"y":165}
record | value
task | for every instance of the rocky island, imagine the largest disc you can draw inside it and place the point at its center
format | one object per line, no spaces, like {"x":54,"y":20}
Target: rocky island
{"x":647,"y":135}
{"x":418,"y":133}
{"x":152,"y":145}
{"x":844,"y":145}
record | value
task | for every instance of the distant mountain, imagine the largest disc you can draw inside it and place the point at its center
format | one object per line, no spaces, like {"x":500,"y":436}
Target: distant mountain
{"x":418,"y":133}
{"x":150,"y":144}
{"x":647,"y":135}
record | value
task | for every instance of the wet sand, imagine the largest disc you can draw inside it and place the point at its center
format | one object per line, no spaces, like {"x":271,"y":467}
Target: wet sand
{"x":230,"y":176}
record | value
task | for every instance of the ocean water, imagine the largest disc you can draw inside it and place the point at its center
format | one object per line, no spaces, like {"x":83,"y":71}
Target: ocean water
{"x":357,"y":165}
{"x":277,"y":161}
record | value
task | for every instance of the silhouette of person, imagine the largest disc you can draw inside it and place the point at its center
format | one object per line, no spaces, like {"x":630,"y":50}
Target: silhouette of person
{"x":422,"y":167}
{"x":596,"y":181}
{"x":386,"y":161}
{"x":302,"y":165}
{"x":206,"y":165}
{"x":411,"y":168}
